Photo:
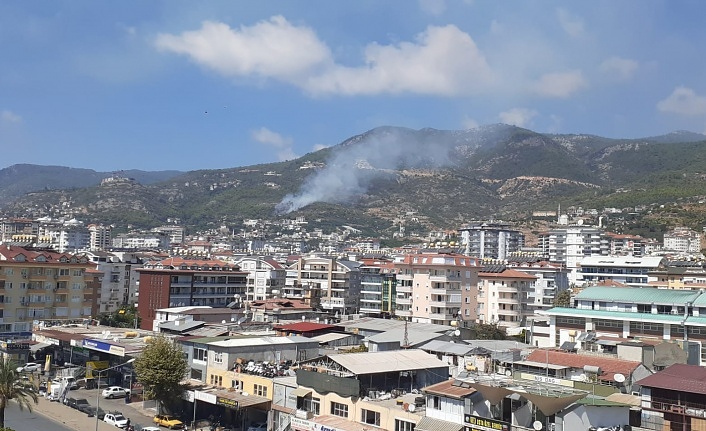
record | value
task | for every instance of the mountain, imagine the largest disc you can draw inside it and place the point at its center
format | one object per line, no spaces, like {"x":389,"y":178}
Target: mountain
{"x":426,"y":179}
{"x":20,"y":179}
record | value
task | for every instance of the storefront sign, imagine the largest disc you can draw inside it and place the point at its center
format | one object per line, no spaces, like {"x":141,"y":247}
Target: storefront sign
{"x":477,"y":423}
{"x":9,"y":345}
{"x":301,"y":424}
{"x":319,"y":427}
{"x":205,"y":397}
{"x":547,"y":379}
{"x":102,"y":346}
{"x":226,"y":402}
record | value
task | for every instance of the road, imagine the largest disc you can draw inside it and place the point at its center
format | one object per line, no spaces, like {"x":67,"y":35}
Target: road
{"x":26,"y":421}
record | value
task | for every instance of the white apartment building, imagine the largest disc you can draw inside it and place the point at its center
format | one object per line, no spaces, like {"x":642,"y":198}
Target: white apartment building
{"x":325,"y":283}
{"x":430,"y":287}
{"x":571,"y":244}
{"x":120,"y":279}
{"x":266,"y":277}
{"x":503,"y":296}
{"x":627,"y":270}
{"x":551,"y":278}
{"x":491,"y":240}
{"x":682,"y":240}
{"x":99,"y":237}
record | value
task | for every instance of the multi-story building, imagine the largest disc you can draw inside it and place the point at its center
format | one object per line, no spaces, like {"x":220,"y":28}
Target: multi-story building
{"x":177,"y":282}
{"x":118,"y":281}
{"x":430,"y":287}
{"x":571,"y":244}
{"x":625,"y":245}
{"x":503,"y":296}
{"x":645,"y":313}
{"x":327,"y":284}
{"x":626,"y":270}
{"x":99,"y":237}
{"x":492,"y":240}
{"x":679,"y":275}
{"x":43,"y":285}
{"x":11,"y":228}
{"x":674,"y":398}
{"x":66,"y":236}
{"x":378,"y":291}
{"x":266,"y":277}
{"x":551,"y":278}
{"x":682,"y":240}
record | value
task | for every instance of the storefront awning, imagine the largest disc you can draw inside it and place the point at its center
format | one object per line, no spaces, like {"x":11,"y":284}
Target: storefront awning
{"x":431,"y":424}
{"x":301,"y":392}
{"x":35,"y":347}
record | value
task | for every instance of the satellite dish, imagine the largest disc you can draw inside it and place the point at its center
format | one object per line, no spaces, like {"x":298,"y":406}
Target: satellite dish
{"x":537,"y":425}
{"x":457,"y":332}
{"x":619,"y":378}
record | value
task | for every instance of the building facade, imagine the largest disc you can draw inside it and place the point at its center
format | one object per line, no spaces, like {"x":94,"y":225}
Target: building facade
{"x":491,"y":240}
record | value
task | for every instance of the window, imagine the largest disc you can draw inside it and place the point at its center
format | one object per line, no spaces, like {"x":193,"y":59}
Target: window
{"x":196,"y":374}
{"x":338,"y":409}
{"x":218,"y":357}
{"x":216,"y":380}
{"x":436,"y":402}
{"x":260,"y":390}
{"x":313,"y":405}
{"x":237,"y":384}
{"x":200,"y":354}
{"x":402,"y":425}
{"x":370,"y":417}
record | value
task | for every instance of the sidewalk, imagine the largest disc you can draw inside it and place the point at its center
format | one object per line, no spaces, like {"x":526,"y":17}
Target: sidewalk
{"x":68,"y":416}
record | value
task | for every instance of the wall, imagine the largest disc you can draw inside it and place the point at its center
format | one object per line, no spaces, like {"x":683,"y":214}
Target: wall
{"x":584,"y":416}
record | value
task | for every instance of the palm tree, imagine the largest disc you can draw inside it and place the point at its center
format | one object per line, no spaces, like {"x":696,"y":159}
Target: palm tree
{"x":13,"y":387}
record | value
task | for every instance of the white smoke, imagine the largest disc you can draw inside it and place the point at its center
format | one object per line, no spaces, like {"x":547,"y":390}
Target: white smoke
{"x":354,"y":165}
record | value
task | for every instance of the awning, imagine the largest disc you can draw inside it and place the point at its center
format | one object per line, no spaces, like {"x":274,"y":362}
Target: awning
{"x":431,"y":424}
{"x":35,"y":347}
{"x":301,"y":392}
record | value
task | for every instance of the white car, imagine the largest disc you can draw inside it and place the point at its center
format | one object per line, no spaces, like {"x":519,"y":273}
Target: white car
{"x":116,"y":419}
{"x":150,"y":429}
{"x":29,"y":367}
{"x":115,"y":392}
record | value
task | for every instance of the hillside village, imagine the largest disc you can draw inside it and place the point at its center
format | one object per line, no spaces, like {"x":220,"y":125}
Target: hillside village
{"x":588,"y":327}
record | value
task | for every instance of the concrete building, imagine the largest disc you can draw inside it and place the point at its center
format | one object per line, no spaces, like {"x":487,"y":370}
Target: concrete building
{"x":327,"y":284}
{"x":551,"y":278}
{"x":430,"y":287}
{"x":99,"y":237}
{"x":626,"y":270}
{"x":491,"y":240}
{"x":503,"y":296}
{"x":11,"y":228}
{"x":177,"y":282}
{"x":41,"y":285}
{"x":682,"y":240}
{"x":571,"y":244}
{"x":266,"y":277}
{"x":119,"y":279}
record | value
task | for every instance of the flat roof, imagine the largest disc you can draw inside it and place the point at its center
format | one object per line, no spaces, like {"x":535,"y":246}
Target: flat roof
{"x":644,"y":295}
{"x":388,"y":361}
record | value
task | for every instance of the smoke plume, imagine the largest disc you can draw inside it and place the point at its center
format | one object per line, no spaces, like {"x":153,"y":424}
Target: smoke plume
{"x":364,"y":158}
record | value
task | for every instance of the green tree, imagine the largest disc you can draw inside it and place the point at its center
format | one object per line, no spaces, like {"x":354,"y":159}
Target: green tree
{"x":126,"y":317}
{"x":13,"y":387}
{"x":487,"y":331}
{"x":563,"y":299}
{"x":161,"y":368}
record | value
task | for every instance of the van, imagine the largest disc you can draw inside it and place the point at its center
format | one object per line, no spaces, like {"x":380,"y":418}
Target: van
{"x":69,"y":382}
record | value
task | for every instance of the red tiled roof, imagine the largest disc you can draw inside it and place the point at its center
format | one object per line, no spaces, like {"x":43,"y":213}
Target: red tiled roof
{"x":611,"y":283}
{"x":609,"y":366}
{"x":678,"y":377}
{"x":304,"y":327}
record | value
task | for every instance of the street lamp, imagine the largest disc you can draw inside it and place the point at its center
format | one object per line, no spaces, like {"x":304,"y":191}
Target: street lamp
{"x":98,"y":395}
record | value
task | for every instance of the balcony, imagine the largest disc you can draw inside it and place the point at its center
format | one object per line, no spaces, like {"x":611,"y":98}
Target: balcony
{"x":445,"y":304}
{"x":441,"y":316}
{"x":331,"y":303}
{"x":404,"y":289}
{"x":404,"y":301}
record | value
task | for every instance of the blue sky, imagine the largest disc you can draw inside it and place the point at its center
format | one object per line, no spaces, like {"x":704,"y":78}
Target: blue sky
{"x":155,"y":85}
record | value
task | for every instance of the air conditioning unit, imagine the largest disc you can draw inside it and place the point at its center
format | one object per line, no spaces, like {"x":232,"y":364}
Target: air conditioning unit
{"x":303,"y":414}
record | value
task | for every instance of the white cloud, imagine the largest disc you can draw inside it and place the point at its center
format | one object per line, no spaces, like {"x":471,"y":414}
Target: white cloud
{"x":520,"y":117}
{"x":441,"y":61}
{"x":273,"y":48}
{"x":559,"y":85}
{"x":683,"y":101}
{"x":7,"y":116}
{"x":571,"y":24}
{"x":433,"y":7}
{"x":623,"y":68}
{"x":282,"y":144}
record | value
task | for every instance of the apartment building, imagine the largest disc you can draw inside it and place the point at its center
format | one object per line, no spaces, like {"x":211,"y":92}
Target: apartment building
{"x":266,"y":277}
{"x":119,"y":280}
{"x":378,"y":291}
{"x":503,"y":296}
{"x":11,"y":228}
{"x":682,"y":240}
{"x":43,"y":285}
{"x":99,"y":237}
{"x":679,"y":275}
{"x":626,"y":245}
{"x":629,"y":313}
{"x":491,"y":240}
{"x":626,"y":270}
{"x":178,"y":282}
{"x":325,"y":283}
{"x":569,"y":245}
{"x":430,"y":287}
{"x":551,"y":278}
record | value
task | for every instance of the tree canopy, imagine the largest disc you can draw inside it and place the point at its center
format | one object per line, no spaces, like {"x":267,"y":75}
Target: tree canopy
{"x":13,"y":387}
{"x":563,"y":299}
{"x":161,"y":369}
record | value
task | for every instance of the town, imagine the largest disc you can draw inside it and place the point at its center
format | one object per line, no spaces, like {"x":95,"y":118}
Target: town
{"x":475,"y":329}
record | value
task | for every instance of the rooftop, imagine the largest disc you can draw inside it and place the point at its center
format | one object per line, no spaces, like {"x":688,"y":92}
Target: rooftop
{"x":388,"y":361}
{"x":448,"y":389}
{"x":609,"y":366}
{"x":678,"y":377}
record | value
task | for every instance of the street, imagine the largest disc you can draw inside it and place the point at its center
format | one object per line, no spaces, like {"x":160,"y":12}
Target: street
{"x":26,"y":421}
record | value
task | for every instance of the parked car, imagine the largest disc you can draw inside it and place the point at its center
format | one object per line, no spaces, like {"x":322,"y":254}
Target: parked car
{"x":92,"y":411}
{"x":116,"y":419}
{"x":139,"y":428}
{"x":29,"y":367}
{"x":115,"y":392}
{"x":65,"y":381}
{"x":76,"y":403}
{"x":260,"y":426}
{"x":169,"y":421}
